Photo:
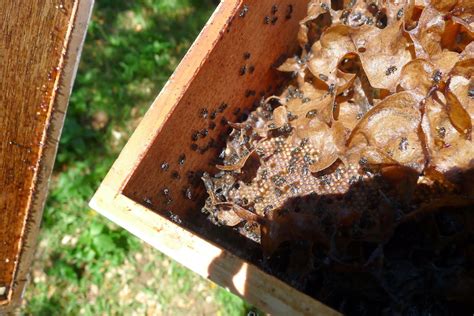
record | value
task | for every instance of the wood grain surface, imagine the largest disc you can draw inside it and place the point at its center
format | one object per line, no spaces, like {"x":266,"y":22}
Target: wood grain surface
{"x":238,"y":71}
{"x":40,"y":44}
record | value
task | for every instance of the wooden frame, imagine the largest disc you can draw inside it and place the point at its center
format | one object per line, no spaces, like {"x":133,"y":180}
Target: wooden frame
{"x":206,"y":259}
{"x":43,"y":45}
{"x":216,"y":70}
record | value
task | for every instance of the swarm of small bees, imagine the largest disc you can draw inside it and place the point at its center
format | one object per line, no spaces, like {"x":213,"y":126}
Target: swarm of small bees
{"x":374,"y":130}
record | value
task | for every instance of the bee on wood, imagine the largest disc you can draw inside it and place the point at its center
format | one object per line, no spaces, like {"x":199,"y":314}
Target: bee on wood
{"x":244,"y":11}
{"x":182,"y":159}
{"x":195,"y":136}
{"x":213,"y":115}
{"x":222,"y":107}
{"x":203,"y":113}
{"x":204,"y":132}
{"x":289,"y":12}
{"x":188,"y":193}
{"x":175,"y":218}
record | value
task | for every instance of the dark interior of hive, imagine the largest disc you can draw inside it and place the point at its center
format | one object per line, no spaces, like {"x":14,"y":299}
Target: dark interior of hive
{"x":357,"y":232}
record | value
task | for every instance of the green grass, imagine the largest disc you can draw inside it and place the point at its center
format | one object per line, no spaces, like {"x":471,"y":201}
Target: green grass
{"x":85,"y":265}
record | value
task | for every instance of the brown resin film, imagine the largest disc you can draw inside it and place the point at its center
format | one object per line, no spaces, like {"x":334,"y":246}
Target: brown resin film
{"x":40,"y":45}
{"x":232,"y":62}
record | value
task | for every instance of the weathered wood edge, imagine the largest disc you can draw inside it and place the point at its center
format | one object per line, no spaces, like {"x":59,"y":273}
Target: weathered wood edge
{"x":69,"y":63}
{"x":208,"y":260}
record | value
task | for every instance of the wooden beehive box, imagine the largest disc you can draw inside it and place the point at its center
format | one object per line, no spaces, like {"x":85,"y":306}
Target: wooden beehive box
{"x":232,"y":63}
{"x":40,"y":45}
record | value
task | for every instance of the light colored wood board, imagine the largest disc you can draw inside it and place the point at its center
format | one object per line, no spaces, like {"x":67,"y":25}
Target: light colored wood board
{"x":204,"y":82}
{"x":208,"y":260}
{"x":40,"y":45}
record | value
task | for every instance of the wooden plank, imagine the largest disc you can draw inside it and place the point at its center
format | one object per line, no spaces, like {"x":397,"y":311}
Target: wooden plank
{"x":224,"y":74}
{"x":40,"y":45}
{"x":131,"y":194}
{"x":208,"y":260}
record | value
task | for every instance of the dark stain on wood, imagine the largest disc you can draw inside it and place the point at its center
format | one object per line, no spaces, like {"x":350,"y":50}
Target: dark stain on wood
{"x":32,"y":37}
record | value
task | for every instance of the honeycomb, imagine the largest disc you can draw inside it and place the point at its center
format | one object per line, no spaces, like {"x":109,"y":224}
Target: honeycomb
{"x":357,"y":179}
{"x":364,"y":136}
